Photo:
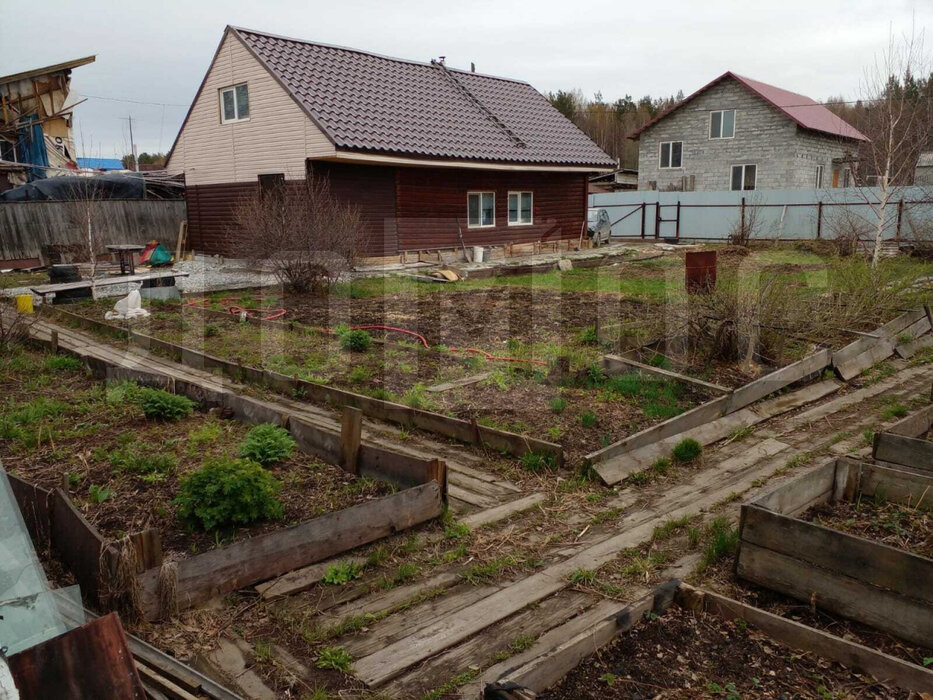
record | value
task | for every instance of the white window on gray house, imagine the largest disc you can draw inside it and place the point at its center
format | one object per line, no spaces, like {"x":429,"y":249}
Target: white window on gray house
{"x":234,"y":104}
{"x":744,"y":177}
{"x":670,"y":154}
{"x":520,"y":208}
{"x":819,"y":176}
{"x":481,"y":209}
{"x":846,"y":177}
{"x":722,"y":124}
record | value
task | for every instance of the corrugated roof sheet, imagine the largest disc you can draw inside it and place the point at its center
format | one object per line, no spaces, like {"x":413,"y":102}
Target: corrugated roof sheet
{"x":806,"y":112}
{"x":367,"y":102}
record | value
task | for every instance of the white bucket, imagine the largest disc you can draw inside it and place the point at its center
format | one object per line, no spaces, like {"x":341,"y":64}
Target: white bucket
{"x":477,"y":253}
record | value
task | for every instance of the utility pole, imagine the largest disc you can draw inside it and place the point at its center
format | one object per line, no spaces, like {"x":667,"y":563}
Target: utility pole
{"x":133,"y":146}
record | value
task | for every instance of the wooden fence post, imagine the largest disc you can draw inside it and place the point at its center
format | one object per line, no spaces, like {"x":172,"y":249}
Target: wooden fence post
{"x":819,"y":220}
{"x":53,"y":342}
{"x":351,"y":430}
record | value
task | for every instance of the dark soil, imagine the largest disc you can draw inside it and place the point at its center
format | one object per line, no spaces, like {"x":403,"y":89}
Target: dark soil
{"x":90,"y":426}
{"x":721,"y":579}
{"x":893,"y":524}
{"x":697,"y":655}
{"x":487,"y":318}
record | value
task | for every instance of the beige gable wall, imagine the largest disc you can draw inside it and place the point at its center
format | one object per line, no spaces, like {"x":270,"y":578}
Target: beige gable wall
{"x":278,"y":137}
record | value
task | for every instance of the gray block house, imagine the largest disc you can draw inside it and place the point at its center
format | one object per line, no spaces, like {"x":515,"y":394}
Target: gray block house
{"x":736,"y":133}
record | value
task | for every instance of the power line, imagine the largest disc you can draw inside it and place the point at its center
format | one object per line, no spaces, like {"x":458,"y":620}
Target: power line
{"x":135,"y":102}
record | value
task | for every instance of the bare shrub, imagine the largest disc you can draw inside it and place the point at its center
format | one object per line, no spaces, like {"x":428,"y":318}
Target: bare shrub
{"x":308,"y":238}
{"x":14,"y":328}
{"x":748,"y":224}
{"x":849,"y":230}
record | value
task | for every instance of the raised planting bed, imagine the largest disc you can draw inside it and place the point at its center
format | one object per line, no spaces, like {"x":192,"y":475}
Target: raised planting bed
{"x":513,"y":407}
{"x":706,"y":646}
{"x":788,"y":543}
{"x":124,"y":472}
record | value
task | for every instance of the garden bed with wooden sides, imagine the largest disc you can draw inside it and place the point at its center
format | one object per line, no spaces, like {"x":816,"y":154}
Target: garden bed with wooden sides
{"x":683,"y":653}
{"x":122,"y":470}
{"x":858,"y":577}
{"x":576,"y":404}
{"x":141,"y":487}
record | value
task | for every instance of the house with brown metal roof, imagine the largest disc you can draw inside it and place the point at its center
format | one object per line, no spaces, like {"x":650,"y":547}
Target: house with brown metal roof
{"x":435,"y":157}
{"x":736,"y":133}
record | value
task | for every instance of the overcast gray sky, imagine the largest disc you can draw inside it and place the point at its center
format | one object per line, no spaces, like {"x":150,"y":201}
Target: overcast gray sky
{"x":158,"y":51}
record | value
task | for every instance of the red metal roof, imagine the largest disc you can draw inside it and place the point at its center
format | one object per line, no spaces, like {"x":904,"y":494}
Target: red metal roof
{"x":372,"y":103}
{"x":806,"y":112}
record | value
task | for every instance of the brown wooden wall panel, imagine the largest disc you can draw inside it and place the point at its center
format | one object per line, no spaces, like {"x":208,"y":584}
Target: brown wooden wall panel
{"x":432,"y":206}
{"x":210,"y":217}
{"x":373,"y":189}
{"x":411,"y":208}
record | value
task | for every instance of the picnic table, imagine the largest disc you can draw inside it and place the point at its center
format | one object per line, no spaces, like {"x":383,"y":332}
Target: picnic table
{"x":124,"y":253}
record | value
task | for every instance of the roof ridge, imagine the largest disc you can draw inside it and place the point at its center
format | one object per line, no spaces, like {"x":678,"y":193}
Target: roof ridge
{"x":479,"y":104}
{"x":374,"y":54}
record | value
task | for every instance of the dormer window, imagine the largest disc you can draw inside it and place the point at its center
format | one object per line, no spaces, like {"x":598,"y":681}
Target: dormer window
{"x":234,"y":104}
{"x":722,"y":124}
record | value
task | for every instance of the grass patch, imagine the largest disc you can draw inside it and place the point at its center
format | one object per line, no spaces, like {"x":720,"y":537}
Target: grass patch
{"x":723,"y":541}
{"x":687,"y":450}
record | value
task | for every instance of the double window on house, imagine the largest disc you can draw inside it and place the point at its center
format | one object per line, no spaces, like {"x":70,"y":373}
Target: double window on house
{"x":722,"y":124}
{"x":670,"y":154}
{"x":744,"y":177}
{"x":481,"y":209}
{"x":234,"y":104}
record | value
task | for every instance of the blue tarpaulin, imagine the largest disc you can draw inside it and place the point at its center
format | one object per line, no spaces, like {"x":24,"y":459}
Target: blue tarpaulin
{"x":30,"y":147}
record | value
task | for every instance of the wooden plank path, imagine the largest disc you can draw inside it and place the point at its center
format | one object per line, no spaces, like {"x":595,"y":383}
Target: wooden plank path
{"x":444,"y":643}
{"x":471,"y":489}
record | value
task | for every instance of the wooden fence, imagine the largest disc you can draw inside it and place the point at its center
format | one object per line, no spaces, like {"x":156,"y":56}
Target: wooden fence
{"x":28,"y":228}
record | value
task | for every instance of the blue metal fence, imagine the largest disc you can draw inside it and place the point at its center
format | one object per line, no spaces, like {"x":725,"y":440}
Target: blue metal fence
{"x":775,"y":214}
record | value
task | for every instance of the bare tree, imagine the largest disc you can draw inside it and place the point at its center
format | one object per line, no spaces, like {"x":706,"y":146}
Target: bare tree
{"x":308,"y":238}
{"x":88,"y":214}
{"x":748,"y":223}
{"x":897,"y":124}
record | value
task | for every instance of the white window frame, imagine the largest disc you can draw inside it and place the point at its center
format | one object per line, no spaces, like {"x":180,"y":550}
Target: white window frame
{"x":481,"y":193}
{"x":743,"y":166}
{"x":508,"y":213}
{"x":709,"y":131}
{"x":236,"y":107}
{"x":671,"y":156}
{"x":819,"y":177}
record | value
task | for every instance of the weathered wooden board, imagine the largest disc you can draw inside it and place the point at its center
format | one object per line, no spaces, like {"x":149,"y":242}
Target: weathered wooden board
{"x":77,"y":545}
{"x":903,"y":617}
{"x":907,"y":350}
{"x":457,"y":383}
{"x":875,"y":563}
{"x":35,"y":505}
{"x":544,"y":671}
{"x":915,"y":425}
{"x":249,"y":561}
{"x":906,"y":451}
{"x":301,"y":579}
{"x":615,"y":364}
{"x":702,"y":414}
{"x":91,"y":661}
{"x":801,"y":493}
{"x":856,"y":357}
{"x":883,"y":667}
{"x":897,"y":485}
{"x":794,"y":372}
{"x":503,"y":511}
